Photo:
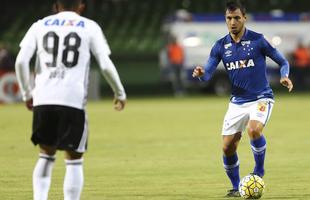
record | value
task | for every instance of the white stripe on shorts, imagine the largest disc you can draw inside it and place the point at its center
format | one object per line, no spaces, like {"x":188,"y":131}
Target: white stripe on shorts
{"x":82,"y":145}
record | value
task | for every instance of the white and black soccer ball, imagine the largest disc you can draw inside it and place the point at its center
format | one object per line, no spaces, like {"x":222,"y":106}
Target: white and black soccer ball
{"x":251,"y":187}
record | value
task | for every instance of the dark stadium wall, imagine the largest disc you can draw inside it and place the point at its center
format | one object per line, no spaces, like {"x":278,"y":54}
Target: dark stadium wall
{"x":132,"y":28}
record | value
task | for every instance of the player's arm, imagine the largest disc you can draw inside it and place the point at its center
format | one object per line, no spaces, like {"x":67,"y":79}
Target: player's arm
{"x":22,"y":69}
{"x":277,"y":56}
{"x":206,"y":72}
{"x":100,"y":49}
{"x":110,"y":74}
{"x":23,"y":74}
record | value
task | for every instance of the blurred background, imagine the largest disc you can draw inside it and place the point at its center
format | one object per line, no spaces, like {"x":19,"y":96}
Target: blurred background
{"x":140,"y":32}
{"x":166,"y":148}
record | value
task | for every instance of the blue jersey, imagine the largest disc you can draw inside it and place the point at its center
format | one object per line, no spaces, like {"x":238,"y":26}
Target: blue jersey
{"x":245,"y":63}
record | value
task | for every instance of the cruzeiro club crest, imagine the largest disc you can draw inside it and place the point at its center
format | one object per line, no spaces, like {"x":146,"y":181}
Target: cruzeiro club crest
{"x":262,"y":106}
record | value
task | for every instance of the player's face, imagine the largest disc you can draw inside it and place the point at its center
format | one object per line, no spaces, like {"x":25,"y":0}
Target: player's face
{"x":235,"y":21}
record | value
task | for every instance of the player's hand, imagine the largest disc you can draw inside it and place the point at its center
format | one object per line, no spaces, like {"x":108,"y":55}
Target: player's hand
{"x":286,"y":82}
{"x":198,"y":71}
{"x":119,"y":104}
{"x":29,"y":104}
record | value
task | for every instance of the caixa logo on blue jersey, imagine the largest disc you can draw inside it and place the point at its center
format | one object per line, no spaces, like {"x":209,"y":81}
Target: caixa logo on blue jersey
{"x":64,"y":22}
{"x":240,"y":64}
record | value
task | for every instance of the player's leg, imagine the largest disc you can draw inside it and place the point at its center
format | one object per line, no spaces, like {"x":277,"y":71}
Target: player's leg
{"x":230,"y":158}
{"x":260,"y":114}
{"x":74,"y":177}
{"x":234,"y":123}
{"x":74,"y":131}
{"x":258,"y":145}
{"x":43,"y":133}
{"x":42,"y":172}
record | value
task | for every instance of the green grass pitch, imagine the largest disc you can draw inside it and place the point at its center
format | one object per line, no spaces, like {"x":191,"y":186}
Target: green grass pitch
{"x":162,"y":149}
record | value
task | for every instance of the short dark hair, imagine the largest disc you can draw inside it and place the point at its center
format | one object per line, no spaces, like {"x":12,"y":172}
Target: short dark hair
{"x":69,"y":4}
{"x":233,"y":5}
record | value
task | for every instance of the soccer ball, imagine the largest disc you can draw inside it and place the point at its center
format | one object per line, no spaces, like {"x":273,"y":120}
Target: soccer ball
{"x":251,"y":187}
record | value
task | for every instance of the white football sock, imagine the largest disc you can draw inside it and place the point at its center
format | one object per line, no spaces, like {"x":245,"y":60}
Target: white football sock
{"x":41,"y":177}
{"x":74,"y":179}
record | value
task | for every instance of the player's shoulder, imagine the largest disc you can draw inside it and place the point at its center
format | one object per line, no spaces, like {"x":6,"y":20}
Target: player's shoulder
{"x":90,"y":25}
{"x":254,"y":35}
{"x":90,"y":22}
{"x":42,"y":20}
{"x":86,"y":19}
{"x":223,"y":41}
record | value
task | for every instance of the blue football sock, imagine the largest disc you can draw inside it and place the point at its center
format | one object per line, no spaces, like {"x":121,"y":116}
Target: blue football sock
{"x":259,"y":148}
{"x":231,"y":165}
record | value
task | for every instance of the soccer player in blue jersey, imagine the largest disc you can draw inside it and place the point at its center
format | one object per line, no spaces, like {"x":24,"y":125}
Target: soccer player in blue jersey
{"x":243,"y":53}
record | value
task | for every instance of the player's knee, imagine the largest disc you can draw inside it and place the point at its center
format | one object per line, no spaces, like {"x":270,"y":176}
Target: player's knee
{"x":254,"y":132}
{"x":48,"y":150}
{"x":72,"y":155}
{"x":229,"y":150}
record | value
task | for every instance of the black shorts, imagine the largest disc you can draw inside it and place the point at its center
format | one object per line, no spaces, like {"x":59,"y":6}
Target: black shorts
{"x":60,"y":126}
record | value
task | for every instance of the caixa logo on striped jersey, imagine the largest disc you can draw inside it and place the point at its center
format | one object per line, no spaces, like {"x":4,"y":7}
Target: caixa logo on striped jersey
{"x":239,"y":64}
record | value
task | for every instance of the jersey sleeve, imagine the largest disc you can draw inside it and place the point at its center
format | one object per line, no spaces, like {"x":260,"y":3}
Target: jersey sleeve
{"x":276,"y":56}
{"x":101,"y":51}
{"x":98,"y":42}
{"x":27,"y":49}
{"x":212,"y":62}
{"x":111,"y":75}
{"x":29,"y":40}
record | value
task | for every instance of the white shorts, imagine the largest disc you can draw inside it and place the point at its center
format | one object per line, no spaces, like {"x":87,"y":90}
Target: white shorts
{"x":238,"y":116}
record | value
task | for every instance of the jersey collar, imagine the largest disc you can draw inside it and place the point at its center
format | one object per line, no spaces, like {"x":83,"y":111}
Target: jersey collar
{"x":244,"y":37}
{"x":67,"y":13}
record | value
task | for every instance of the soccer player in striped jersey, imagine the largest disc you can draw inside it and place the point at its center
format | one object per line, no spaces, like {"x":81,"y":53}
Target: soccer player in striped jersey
{"x":243,"y":53}
{"x":63,"y":44}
